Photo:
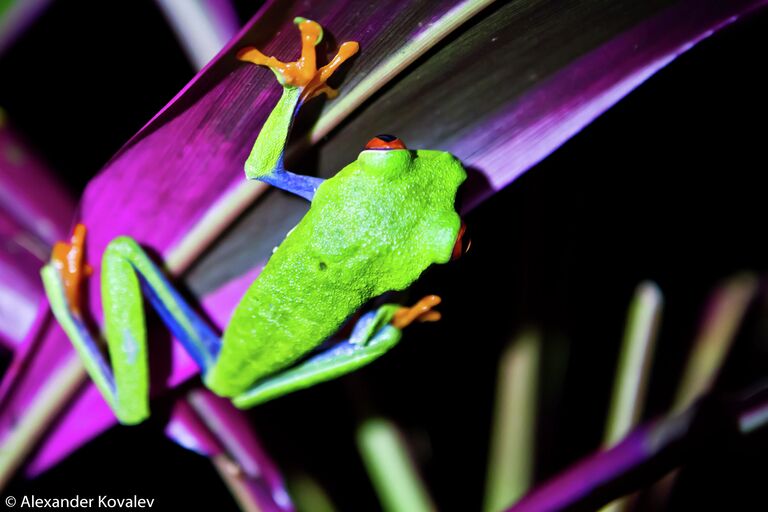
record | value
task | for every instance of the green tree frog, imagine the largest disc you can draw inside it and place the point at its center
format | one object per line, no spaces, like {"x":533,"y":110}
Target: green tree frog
{"x":372,"y":228}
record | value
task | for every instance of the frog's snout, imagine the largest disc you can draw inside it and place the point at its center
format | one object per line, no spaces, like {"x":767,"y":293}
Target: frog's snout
{"x":463,"y":242}
{"x":385,"y":141}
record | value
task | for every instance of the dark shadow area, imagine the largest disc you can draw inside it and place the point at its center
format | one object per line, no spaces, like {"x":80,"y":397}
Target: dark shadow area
{"x":114,"y":76}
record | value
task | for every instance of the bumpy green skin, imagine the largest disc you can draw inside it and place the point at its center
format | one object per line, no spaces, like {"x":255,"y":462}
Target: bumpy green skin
{"x":372,"y":228}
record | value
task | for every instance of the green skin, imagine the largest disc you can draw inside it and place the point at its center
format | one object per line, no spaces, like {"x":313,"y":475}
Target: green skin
{"x":372,"y":228}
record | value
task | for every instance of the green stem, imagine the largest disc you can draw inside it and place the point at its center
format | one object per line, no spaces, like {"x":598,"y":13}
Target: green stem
{"x":634,"y":364}
{"x":308,"y":495}
{"x":391,"y":470}
{"x":511,"y":457}
{"x":633,"y":370}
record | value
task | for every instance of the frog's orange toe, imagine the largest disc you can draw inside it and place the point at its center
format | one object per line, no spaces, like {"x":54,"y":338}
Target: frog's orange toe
{"x":430,"y":316}
{"x":303,"y":72}
{"x":67,"y":258}
{"x":421,"y":311}
{"x":250,"y":54}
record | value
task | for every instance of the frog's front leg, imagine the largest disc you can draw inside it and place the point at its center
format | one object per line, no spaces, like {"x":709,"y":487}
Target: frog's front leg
{"x":301,"y":81}
{"x":126,"y":272}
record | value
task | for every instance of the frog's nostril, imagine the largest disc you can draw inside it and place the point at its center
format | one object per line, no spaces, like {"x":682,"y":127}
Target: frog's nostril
{"x":463,"y":242}
{"x":385,"y":141}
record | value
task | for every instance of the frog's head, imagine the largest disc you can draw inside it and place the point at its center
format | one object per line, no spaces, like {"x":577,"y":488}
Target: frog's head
{"x":387,"y":156}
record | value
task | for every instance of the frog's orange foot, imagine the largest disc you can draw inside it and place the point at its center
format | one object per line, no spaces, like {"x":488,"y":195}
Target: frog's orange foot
{"x":67,"y":258}
{"x":304,"y":72}
{"x":420,"y":312}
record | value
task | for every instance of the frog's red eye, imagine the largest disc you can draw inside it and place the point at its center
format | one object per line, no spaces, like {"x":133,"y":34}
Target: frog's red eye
{"x":385,"y":141}
{"x":463,"y":243}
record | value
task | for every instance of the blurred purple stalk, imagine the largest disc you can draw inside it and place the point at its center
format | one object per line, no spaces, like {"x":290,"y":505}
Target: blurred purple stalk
{"x":725,"y":310}
{"x":647,"y":453}
{"x":256,"y":478}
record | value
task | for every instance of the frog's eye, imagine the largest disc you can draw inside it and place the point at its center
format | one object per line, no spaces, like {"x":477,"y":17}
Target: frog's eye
{"x":385,"y":141}
{"x":463,"y":243}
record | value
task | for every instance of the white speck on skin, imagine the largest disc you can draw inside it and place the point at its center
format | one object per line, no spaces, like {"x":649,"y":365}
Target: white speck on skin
{"x":130,"y":347}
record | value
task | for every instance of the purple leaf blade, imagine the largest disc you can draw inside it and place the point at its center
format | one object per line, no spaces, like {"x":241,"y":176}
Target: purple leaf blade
{"x":553,"y":114}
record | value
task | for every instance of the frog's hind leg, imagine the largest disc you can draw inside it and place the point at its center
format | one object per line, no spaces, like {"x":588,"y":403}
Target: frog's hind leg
{"x":372,"y":336}
{"x":126,"y":272}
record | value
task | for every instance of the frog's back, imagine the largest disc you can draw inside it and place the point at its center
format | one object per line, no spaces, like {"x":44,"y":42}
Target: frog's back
{"x":374,"y":227}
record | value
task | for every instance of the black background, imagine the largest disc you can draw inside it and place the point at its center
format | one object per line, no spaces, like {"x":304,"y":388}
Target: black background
{"x":666,"y":186}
